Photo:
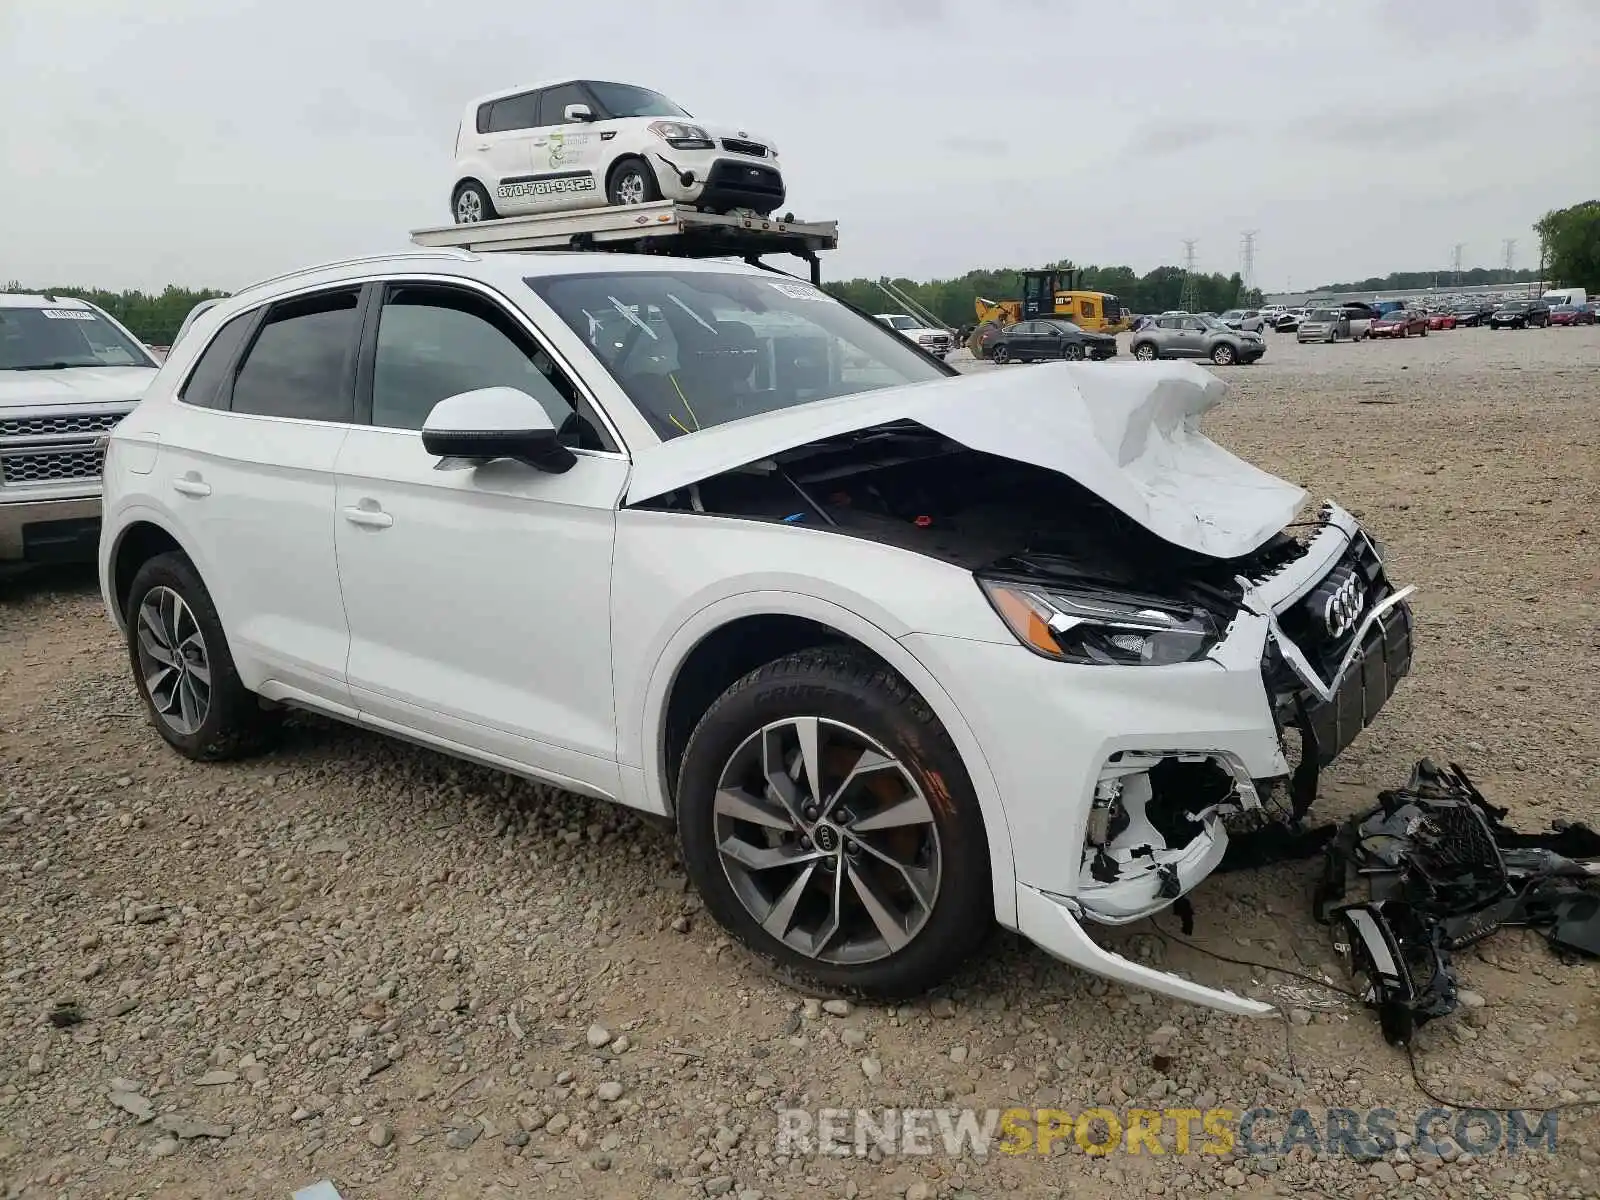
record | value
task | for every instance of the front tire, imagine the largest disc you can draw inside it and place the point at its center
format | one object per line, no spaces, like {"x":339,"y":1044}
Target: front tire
{"x":471,"y":204}
{"x":1224,"y":356}
{"x":632,"y":182}
{"x":1072,"y":352}
{"x":875,"y":882}
{"x":1000,"y":355}
{"x":183,"y":668}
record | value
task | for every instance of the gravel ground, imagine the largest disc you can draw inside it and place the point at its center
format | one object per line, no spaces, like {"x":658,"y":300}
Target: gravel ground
{"x":357,"y":961}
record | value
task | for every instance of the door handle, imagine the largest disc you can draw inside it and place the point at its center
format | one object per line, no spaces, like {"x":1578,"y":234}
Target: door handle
{"x":191,"y":485}
{"x":368,"y":518}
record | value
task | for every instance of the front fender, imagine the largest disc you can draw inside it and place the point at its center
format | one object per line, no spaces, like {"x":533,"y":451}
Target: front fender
{"x":649,"y":721}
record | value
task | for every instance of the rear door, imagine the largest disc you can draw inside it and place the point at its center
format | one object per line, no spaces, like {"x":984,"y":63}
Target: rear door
{"x":508,"y":146}
{"x":249,"y":476}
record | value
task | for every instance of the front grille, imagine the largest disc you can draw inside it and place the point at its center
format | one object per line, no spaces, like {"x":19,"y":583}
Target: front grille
{"x":740,"y":146}
{"x":51,"y":466}
{"x":18,"y":427}
{"x":739,"y":178}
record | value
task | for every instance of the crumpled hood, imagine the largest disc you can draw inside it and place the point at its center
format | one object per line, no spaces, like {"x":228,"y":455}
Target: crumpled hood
{"x":1129,"y":432}
{"x":74,"y":385}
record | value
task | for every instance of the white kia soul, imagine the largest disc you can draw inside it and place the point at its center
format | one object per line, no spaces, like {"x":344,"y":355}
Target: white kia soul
{"x":585,"y":143}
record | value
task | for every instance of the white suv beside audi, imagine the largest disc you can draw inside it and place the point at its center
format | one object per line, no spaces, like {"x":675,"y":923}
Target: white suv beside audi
{"x":586,"y":143}
{"x":902,"y":652}
{"x":68,"y":373}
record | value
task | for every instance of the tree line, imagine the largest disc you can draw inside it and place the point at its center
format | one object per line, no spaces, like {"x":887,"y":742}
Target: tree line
{"x":1569,"y":241}
{"x":153,"y":318}
{"x":953,"y":300}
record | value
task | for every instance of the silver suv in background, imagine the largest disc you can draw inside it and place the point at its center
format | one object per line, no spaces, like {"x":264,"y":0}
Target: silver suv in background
{"x":1324,"y":325}
{"x":1244,"y":318}
{"x":68,"y":374}
{"x":1190,"y":336}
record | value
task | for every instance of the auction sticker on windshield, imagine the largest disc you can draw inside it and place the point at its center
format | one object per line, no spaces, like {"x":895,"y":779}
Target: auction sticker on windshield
{"x":67,"y":314}
{"x":801,"y":291}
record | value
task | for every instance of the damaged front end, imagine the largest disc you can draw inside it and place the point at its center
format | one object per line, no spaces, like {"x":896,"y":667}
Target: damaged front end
{"x":1189,"y":675}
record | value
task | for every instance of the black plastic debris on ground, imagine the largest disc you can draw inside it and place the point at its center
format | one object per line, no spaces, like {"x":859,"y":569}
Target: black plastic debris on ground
{"x":1432,"y":869}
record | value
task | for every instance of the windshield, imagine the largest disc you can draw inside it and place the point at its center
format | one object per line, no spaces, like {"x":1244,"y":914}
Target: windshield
{"x":716,"y":346}
{"x":45,"y":339}
{"x":1325,"y":314}
{"x":1233,"y":314}
{"x":625,"y":100}
{"x":1513,"y":306}
{"x":898,"y":322}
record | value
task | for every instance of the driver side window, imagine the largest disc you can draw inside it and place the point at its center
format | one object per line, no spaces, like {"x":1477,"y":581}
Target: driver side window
{"x":1194,"y":326}
{"x":436,"y":341}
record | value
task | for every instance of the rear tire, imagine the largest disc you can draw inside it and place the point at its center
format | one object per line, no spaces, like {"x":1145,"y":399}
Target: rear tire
{"x":470,"y":204}
{"x":1145,"y":352}
{"x":183,"y":669}
{"x":842,"y":916}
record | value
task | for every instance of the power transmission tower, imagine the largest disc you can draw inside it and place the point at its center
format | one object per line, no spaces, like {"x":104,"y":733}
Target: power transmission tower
{"x":1247,"y":255}
{"x":1508,"y":249}
{"x":1455,"y":261}
{"x":1190,"y":297}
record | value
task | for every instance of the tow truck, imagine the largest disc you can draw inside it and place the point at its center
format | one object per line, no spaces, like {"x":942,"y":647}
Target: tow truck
{"x":660,"y":227}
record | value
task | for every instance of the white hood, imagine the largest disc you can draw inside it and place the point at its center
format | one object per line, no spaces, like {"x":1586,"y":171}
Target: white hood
{"x":1129,"y":432}
{"x":74,"y":385}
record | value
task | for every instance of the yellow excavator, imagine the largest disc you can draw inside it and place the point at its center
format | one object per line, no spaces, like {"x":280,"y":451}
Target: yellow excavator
{"x":1053,"y":292}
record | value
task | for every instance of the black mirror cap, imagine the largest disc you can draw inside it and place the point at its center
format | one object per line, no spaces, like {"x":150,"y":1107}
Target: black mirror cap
{"x":539,"y":448}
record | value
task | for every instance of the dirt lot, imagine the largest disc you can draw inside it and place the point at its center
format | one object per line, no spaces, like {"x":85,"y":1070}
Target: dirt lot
{"x":357,"y":961}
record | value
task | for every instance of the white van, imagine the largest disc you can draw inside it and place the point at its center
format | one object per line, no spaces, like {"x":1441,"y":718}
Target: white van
{"x":1573,"y":296}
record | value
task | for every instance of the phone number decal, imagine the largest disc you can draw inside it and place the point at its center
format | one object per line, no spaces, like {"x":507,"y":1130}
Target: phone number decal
{"x":545,"y":187}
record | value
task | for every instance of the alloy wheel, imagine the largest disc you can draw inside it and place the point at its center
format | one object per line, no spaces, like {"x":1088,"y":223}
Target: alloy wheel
{"x":469,"y":208}
{"x":827,"y":840}
{"x":173,"y":661}
{"x":630,"y":188}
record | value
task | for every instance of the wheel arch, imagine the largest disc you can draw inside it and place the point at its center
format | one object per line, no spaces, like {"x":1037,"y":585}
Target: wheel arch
{"x":725,"y":641}
{"x":136,"y":543}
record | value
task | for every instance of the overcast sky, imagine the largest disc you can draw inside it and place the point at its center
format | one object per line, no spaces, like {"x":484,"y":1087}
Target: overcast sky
{"x":210,"y":142}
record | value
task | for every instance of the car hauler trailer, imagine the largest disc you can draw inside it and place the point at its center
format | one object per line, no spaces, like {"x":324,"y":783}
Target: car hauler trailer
{"x":660,"y":227}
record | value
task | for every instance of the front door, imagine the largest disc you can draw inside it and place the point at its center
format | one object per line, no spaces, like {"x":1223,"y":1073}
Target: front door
{"x":1190,"y":341}
{"x":478,"y":598}
{"x":273,"y":396}
{"x":566,"y":153}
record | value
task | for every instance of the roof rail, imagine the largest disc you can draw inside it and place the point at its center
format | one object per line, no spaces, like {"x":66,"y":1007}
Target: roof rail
{"x":440,"y":252}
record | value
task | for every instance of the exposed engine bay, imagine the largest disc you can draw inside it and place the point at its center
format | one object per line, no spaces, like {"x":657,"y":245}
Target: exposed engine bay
{"x":904,"y":485}
{"x":1433,"y":869}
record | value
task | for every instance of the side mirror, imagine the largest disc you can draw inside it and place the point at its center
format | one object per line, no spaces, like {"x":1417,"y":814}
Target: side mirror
{"x":577,"y":112}
{"x":473,"y":428}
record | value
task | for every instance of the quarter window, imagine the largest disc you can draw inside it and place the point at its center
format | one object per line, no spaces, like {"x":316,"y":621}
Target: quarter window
{"x":302,"y":362}
{"x":211,"y":370}
{"x":435,"y":342}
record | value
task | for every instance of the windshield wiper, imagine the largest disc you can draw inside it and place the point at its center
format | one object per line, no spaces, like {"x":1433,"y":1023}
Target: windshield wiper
{"x":53,"y":366}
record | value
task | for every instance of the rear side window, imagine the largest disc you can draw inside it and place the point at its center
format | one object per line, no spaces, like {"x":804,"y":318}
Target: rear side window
{"x":482,"y":121}
{"x":205,"y":382}
{"x":553,"y":104}
{"x":302,"y":363}
{"x":514,"y":112}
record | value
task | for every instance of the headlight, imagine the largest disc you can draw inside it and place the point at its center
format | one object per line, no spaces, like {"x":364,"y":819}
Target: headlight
{"x":1091,"y":629}
{"x":682,"y":136}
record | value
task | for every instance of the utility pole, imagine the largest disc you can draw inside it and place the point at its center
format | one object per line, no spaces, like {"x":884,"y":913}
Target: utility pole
{"x":1508,"y":250}
{"x":1189,"y":297}
{"x":1247,"y":256}
{"x":1455,"y":261}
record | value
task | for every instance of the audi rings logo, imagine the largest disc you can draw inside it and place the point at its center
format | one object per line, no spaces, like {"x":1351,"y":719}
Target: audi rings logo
{"x":1341,"y":607}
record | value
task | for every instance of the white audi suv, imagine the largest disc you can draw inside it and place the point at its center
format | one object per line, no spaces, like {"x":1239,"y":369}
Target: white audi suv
{"x":902,"y":653}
